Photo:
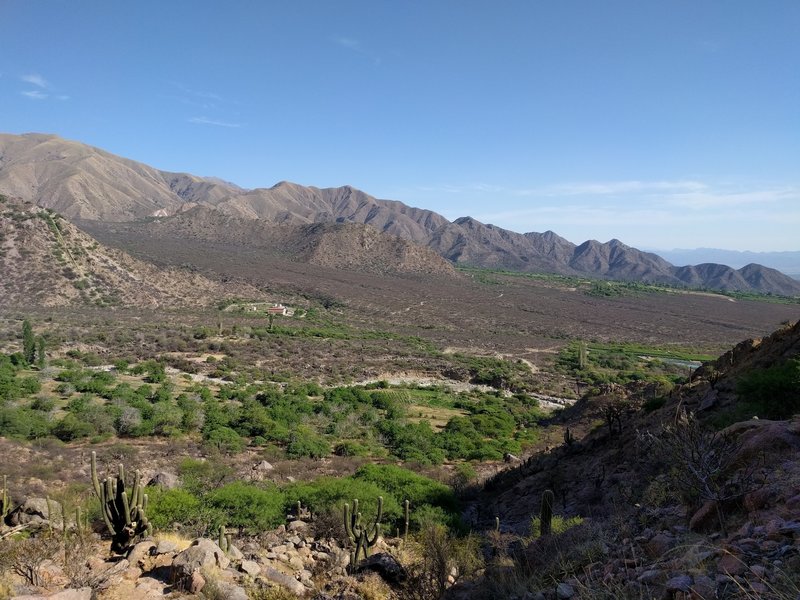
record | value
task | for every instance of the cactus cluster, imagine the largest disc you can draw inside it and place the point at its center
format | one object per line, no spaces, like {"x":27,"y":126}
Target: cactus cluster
{"x":124,"y":516}
{"x":5,"y":501}
{"x":361,"y":535}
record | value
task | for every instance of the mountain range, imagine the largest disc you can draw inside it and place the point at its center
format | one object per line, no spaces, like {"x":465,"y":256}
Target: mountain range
{"x":101,"y":192}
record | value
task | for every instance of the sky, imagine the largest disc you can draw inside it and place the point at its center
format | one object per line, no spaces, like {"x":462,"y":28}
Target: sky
{"x":665,"y":124}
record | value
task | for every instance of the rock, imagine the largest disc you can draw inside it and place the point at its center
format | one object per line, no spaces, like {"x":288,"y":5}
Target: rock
{"x":165,"y":547}
{"x":36,"y":510}
{"x":757,"y":499}
{"x":703,"y":586}
{"x":203,"y":553}
{"x":263,"y":467}
{"x":283,"y":580}
{"x":709,"y":400}
{"x":731,"y":565}
{"x":564,"y":591}
{"x":164,"y":480}
{"x":141,"y":550}
{"x":385,"y":565}
{"x":660,"y":545}
{"x":297,"y":526}
{"x":234,"y":553}
{"x":705,"y":519}
{"x":71,"y":594}
{"x":230,"y":591}
{"x":196,"y":583}
{"x":681,"y":583}
{"x":650,"y":576}
{"x":250,"y":567}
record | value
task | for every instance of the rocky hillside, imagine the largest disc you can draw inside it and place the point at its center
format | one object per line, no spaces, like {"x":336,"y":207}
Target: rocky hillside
{"x":46,"y":260}
{"x":349,"y":246}
{"x":630,"y":466}
{"x":86,"y":183}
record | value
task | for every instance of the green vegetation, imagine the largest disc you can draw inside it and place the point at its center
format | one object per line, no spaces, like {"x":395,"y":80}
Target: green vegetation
{"x":622,"y":363}
{"x":770,"y":393}
{"x":608,"y":288}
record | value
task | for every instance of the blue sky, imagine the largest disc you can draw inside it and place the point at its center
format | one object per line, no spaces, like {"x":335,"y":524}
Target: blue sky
{"x":664,"y":124}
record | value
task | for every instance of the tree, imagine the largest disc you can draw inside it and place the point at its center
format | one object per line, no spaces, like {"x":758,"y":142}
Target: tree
{"x":28,"y":342}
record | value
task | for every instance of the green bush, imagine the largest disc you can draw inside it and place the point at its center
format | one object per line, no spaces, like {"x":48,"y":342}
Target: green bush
{"x":251,"y":508}
{"x":771,"y":393}
{"x":329,"y":493}
{"x":167,"y":507}
{"x":304,"y":442}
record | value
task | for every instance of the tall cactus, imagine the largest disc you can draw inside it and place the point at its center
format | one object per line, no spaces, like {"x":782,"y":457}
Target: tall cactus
{"x":546,"y":516}
{"x":362,"y":536}
{"x":124,"y":516}
{"x":5,"y":501}
{"x":407,"y":514}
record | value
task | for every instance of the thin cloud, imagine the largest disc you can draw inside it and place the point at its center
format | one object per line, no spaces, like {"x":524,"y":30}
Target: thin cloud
{"x":355,"y":46}
{"x":35,"y":95}
{"x":348,"y":43}
{"x":214,"y":122}
{"x":35,"y":79}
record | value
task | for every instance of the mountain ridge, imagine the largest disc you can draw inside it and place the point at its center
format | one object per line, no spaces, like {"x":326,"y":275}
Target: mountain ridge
{"x":86,"y":183}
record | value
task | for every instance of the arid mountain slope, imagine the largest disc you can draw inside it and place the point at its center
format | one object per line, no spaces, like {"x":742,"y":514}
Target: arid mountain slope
{"x":349,"y":246}
{"x":86,"y":183}
{"x":47,"y":261}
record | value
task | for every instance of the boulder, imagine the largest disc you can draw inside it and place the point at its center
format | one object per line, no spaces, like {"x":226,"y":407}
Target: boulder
{"x":36,"y":511}
{"x":290,"y":583}
{"x":385,"y":565}
{"x":203,"y":553}
{"x":164,"y":480}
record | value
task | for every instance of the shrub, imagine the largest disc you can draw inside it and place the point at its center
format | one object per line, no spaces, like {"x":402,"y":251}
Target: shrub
{"x":251,"y":508}
{"x":559,"y":524}
{"x":166,"y":507}
{"x":304,"y":442}
{"x":772,"y":393}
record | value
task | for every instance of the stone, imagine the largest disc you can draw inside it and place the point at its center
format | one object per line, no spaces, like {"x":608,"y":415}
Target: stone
{"x":731,"y":565}
{"x":164,"y":480}
{"x":297,"y":526}
{"x":564,"y":591}
{"x":36,"y":510}
{"x":660,"y":545}
{"x":165,"y":547}
{"x":705,"y":519}
{"x":250,"y":567}
{"x":263,"y":467}
{"x":230,"y":591}
{"x":203,"y":553}
{"x":650,"y":576}
{"x":70,"y":594}
{"x":703,"y":586}
{"x":283,"y":580}
{"x":680,"y":583}
{"x":196,"y":583}
{"x":385,"y":565}
{"x":141,"y":550}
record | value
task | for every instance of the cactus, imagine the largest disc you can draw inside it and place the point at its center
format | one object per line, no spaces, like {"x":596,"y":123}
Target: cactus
{"x":407,"y":512}
{"x":568,"y":437}
{"x":5,"y":501}
{"x":497,"y":524}
{"x":362,"y":536}
{"x":546,"y":516}
{"x":124,"y":516}
{"x":81,"y":523}
{"x":225,"y":538}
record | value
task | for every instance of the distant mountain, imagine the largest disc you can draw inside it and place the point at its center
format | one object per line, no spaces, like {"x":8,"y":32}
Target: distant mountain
{"x":85,"y":183}
{"x":786,"y":262}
